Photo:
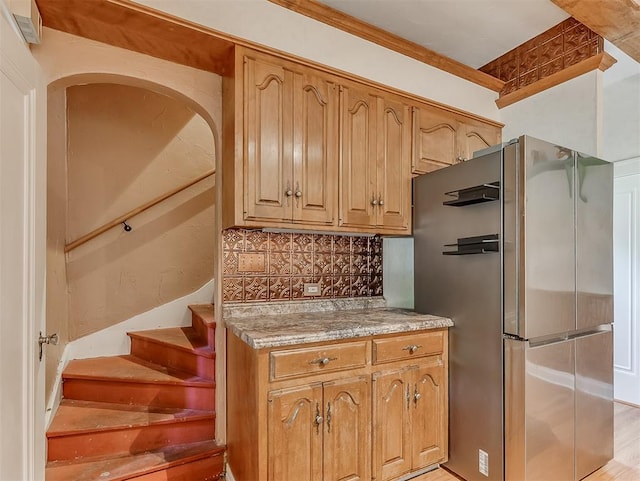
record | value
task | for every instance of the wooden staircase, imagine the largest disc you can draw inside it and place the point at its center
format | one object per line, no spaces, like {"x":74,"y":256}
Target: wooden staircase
{"x":147,"y":416}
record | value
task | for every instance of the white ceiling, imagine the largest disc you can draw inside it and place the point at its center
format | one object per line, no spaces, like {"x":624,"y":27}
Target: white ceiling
{"x":473,"y":32}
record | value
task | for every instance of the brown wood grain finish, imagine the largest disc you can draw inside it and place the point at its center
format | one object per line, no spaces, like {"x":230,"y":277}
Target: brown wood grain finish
{"x":294,"y":157}
{"x":358,"y":166}
{"x":441,"y":139}
{"x":315,"y":147}
{"x":399,"y":348}
{"x":616,"y":20}
{"x":127,"y":25}
{"x":430,"y":413}
{"x":295,"y":430}
{"x":391,"y":441}
{"x":342,"y":21}
{"x":375,"y":179}
{"x":347,"y":430}
{"x":310,"y":360}
{"x":279,"y":429}
{"x":393,"y":177}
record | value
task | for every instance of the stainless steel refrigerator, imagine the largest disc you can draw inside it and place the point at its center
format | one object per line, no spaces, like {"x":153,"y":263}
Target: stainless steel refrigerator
{"x":515,"y":245}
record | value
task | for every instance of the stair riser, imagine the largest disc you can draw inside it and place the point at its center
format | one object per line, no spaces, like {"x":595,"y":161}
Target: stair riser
{"x":143,"y":394}
{"x":174,"y":358}
{"x":206,"y":331}
{"x":207,"y":469}
{"x":129,"y":440}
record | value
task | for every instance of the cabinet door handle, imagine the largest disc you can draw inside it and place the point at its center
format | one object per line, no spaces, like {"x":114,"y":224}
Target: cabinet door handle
{"x":318,"y":419}
{"x":412,"y":348}
{"x":416,"y":396}
{"x":298,"y":193}
{"x":374,"y":202}
{"x":323,"y":361}
{"x":381,"y":202}
{"x":328,"y":417}
{"x":288,"y":192}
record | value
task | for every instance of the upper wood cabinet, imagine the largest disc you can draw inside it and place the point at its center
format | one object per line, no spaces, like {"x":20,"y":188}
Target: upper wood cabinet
{"x":290,"y":143}
{"x":442,"y":138}
{"x":307,"y":149}
{"x":375,"y":178}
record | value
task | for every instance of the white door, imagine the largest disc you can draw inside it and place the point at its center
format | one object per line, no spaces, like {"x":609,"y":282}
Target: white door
{"x":626,"y":258}
{"x":22,"y":257}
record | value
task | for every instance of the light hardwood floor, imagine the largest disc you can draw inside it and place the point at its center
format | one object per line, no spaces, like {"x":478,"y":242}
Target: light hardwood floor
{"x":625,"y":466}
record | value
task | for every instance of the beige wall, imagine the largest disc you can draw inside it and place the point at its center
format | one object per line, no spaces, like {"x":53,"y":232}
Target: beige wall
{"x":126,"y":146}
{"x":170,"y":250}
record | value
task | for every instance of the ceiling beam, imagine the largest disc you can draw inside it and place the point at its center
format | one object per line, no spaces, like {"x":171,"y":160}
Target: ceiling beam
{"x":616,"y":20}
{"x":342,"y":21}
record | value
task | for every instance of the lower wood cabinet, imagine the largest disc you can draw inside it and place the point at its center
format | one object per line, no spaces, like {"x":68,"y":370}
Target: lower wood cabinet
{"x":369,"y":408}
{"x":409,"y":409}
{"x":320,"y":432}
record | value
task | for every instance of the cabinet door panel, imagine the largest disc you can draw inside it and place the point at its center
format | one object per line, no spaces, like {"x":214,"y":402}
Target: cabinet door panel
{"x":268,"y":138}
{"x":391,"y":411}
{"x":294,"y":438}
{"x":428,"y":416}
{"x":434,"y":140}
{"x":315,"y":149}
{"x":394,"y":160}
{"x":358,"y":157}
{"x":477,"y":136}
{"x":347,"y":438}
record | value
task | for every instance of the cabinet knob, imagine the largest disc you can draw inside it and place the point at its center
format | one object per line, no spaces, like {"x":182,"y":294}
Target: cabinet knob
{"x":318,"y":420}
{"x":374,"y":202}
{"x":381,"y":202}
{"x":416,"y":396}
{"x":412,"y":348}
{"x":298,"y":193}
{"x":288,"y":193}
{"x":461,"y":159}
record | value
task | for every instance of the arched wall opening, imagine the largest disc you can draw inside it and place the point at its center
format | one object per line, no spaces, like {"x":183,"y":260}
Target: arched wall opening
{"x":114,"y":143}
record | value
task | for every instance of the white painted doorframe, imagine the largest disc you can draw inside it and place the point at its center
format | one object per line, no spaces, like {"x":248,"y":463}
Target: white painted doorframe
{"x":626,"y":240}
{"x":22,"y":256}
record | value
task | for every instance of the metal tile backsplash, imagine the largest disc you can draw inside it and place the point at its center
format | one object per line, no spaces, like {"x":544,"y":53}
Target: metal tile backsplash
{"x":345,"y":266}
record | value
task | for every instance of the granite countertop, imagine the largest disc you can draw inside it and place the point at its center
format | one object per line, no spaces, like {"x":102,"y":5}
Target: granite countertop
{"x":285,"y":329}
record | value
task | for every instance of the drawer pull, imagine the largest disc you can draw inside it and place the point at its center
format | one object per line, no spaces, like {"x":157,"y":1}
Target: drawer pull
{"x":323,"y":361}
{"x":412,"y":348}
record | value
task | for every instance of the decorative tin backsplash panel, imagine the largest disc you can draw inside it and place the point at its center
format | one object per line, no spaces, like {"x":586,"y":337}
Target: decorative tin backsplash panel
{"x":561,"y":46}
{"x":266,"y":266}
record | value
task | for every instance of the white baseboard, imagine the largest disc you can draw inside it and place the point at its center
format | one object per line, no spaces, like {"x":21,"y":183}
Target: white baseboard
{"x":113,"y":341}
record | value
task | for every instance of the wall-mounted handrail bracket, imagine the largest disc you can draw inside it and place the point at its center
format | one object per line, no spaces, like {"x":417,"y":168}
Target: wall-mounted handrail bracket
{"x":123,"y":218}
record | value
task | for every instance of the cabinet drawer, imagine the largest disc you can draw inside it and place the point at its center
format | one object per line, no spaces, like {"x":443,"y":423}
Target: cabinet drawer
{"x":311,"y":360}
{"x":407,"y":347}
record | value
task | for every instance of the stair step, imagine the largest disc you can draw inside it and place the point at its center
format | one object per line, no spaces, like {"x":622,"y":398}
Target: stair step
{"x":180,"y":348}
{"x":201,"y":461}
{"x":203,"y":321}
{"x":87,"y":429}
{"x":129,"y":380}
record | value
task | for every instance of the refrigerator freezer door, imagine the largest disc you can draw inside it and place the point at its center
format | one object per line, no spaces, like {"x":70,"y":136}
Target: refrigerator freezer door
{"x":594,"y":242}
{"x":547,"y":240}
{"x":594,"y":402}
{"x":465,"y":288}
{"x":539,"y":401}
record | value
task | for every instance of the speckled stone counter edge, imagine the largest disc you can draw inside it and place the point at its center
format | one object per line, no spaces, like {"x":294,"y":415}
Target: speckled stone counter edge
{"x":234,"y":311}
{"x":300,"y":328}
